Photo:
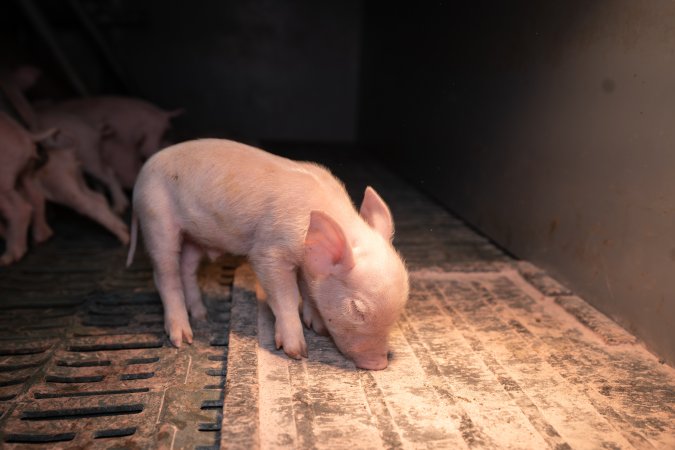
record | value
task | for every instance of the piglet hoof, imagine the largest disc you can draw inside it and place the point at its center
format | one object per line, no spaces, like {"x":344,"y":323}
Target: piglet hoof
{"x":178,"y":333}
{"x":11,"y":256}
{"x":294,"y":348}
{"x":42,"y":235}
{"x":123,"y":236}
{"x":6,"y":259}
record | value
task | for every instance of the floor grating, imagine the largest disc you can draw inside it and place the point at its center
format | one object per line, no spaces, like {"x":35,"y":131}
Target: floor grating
{"x":84,"y":362}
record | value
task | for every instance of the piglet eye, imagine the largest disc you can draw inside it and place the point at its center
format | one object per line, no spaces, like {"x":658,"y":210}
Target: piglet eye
{"x":357,"y":310}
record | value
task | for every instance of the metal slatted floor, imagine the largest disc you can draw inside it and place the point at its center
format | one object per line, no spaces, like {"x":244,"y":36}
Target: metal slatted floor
{"x":83,"y":357}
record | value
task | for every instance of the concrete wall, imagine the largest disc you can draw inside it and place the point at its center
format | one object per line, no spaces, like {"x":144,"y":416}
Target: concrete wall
{"x":550,"y":126}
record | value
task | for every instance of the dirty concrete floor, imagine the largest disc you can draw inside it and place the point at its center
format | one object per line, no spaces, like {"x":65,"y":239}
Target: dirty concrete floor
{"x":489,"y":353}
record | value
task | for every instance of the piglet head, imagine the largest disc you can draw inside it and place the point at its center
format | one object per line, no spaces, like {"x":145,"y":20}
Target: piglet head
{"x":358,"y":284}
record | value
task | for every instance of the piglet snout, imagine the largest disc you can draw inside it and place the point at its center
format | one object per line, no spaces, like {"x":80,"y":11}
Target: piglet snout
{"x":379,"y":362}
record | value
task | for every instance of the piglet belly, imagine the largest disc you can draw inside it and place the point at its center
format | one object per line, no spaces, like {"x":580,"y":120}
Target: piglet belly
{"x":216,"y":233}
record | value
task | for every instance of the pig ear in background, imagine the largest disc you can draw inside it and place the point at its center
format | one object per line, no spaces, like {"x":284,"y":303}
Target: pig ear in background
{"x":44,"y":134}
{"x":175,"y":113}
{"x":376,"y":213}
{"x":326,"y":248}
{"x":106,"y":130}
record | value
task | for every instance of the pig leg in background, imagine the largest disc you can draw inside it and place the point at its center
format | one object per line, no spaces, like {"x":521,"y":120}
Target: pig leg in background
{"x":279,"y":281}
{"x":86,"y":140}
{"x":34,"y":195}
{"x":17,"y":213}
{"x":93,"y":164}
{"x":120,"y":202}
{"x":106,"y":175}
{"x":189,"y":263}
{"x":63,"y":183}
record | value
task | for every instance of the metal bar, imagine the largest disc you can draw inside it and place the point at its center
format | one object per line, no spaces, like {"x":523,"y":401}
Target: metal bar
{"x":43,"y":28}
{"x":101,"y":44}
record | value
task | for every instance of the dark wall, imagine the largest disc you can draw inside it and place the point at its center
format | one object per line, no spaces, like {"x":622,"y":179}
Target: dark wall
{"x":547,"y":125}
{"x":254,"y":68}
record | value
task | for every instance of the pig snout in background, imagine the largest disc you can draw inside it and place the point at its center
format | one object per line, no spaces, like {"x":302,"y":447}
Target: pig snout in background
{"x":138,"y":128}
{"x":299,"y":229}
{"x":17,"y":153}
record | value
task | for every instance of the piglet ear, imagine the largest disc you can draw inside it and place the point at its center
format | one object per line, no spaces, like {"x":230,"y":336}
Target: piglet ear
{"x":327,"y":251}
{"x":376,"y":214}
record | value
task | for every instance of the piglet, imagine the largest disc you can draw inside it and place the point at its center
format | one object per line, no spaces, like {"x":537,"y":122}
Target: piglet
{"x":17,"y":153}
{"x":137,"y":130}
{"x":86,"y":140}
{"x":299,"y":229}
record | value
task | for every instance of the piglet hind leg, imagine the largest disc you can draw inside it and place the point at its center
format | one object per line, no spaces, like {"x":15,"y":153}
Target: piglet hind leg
{"x":176,"y":323}
{"x":164,"y":249}
{"x":283,"y":298}
{"x":162,"y":238}
{"x":190,"y":257}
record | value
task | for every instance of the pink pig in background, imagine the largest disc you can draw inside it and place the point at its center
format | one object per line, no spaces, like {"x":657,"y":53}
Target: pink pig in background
{"x":307,"y":244}
{"x":62,"y":182}
{"x":137,"y":128}
{"x":85,"y":140}
{"x":17,"y":153}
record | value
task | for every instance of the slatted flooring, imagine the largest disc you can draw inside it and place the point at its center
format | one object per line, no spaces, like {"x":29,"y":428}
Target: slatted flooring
{"x":84,"y":362}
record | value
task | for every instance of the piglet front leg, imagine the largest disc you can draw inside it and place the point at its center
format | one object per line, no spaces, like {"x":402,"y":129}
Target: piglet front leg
{"x":310,"y":315}
{"x":280,"y":284}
